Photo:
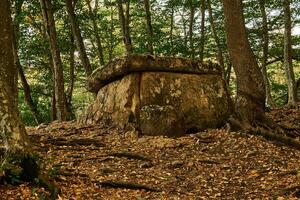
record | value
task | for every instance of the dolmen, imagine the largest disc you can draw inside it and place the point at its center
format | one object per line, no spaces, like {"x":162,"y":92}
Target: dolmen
{"x":158,"y":95}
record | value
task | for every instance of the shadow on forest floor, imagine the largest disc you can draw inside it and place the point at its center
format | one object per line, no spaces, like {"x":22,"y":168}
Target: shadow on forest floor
{"x":92,"y":162}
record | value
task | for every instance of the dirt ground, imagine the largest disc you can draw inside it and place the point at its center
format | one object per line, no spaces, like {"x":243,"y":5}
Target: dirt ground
{"x":92,"y":162}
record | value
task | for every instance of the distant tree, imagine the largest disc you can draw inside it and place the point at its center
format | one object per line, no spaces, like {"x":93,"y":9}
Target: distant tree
{"x":202,"y":27}
{"x":61,"y":103}
{"x":191,"y":28}
{"x":220,"y":57}
{"x":27,"y":90}
{"x":264,"y":60}
{"x":78,"y":38}
{"x":292,"y":95}
{"x":93,"y":16}
{"x":149,"y":27}
{"x":124,"y":22}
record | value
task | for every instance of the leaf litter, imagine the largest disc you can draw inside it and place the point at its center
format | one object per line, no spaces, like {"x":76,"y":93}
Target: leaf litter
{"x":94,"y":162}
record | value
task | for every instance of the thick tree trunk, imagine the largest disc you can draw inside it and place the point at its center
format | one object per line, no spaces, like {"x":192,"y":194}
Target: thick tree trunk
{"x":61,"y":105}
{"x":124,"y":22}
{"x":216,"y":37}
{"x":191,"y":27}
{"x":288,"y":65}
{"x":250,"y":102}
{"x":202,"y":31}
{"x":12,"y":130}
{"x":93,"y":15}
{"x":149,"y":27}
{"x":264,"y":60}
{"x":78,"y":38}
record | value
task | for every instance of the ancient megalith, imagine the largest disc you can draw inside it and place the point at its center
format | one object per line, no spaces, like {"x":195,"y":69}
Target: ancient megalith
{"x":158,"y":95}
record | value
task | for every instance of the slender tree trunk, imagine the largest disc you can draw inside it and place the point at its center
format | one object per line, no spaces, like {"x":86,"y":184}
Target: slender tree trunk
{"x":191,"y":26}
{"x":43,"y":33}
{"x":288,"y":65}
{"x":27,"y":91}
{"x":185,"y":34}
{"x":171,"y":31}
{"x":202,"y":31}
{"x":78,"y":38}
{"x":61,"y":105}
{"x":93,"y":15}
{"x":18,"y":152}
{"x":111,"y":37}
{"x":264,"y":60}
{"x":216,"y":37}
{"x":149,"y":27}
{"x":69,"y":93}
{"x":250,"y":102}
{"x":124,"y":22}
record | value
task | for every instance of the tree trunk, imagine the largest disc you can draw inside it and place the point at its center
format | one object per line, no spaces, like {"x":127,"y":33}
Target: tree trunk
{"x":78,"y":38}
{"x":202,"y":29}
{"x":288,"y":65}
{"x":149,"y":27}
{"x":61,"y":105}
{"x":124,"y":22}
{"x":18,"y":152}
{"x":171,"y":31}
{"x":269,"y":99}
{"x":217,"y":40}
{"x":27,"y":91}
{"x":69,"y":93}
{"x":250,"y":102}
{"x":111,"y":36}
{"x":191,"y":26}
{"x":93,"y":16}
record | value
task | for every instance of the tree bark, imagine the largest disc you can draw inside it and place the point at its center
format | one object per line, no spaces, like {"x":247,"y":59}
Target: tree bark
{"x":96,"y":30}
{"x":78,"y":38}
{"x":264,"y":60}
{"x":216,"y":37}
{"x":191,"y":26}
{"x":149,"y":27}
{"x":61,"y":105}
{"x":124,"y":22}
{"x":12,"y":130}
{"x":250,"y":102}
{"x":288,"y":65}
{"x":202,"y":31}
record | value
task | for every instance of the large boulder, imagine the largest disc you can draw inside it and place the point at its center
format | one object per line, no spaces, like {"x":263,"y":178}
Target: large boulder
{"x":159,"y":96}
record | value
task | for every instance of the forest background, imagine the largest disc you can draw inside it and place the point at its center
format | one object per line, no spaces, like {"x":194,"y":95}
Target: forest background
{"x":106,"y":29}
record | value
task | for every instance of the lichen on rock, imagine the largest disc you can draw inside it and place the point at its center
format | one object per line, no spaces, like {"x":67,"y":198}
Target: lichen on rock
{"x":160,"y":95}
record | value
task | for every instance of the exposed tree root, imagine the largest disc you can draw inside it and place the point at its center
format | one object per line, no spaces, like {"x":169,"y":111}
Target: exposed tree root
{"x":74,"y":142}
{"x":268,"y":130}
{"x":130,"y":155}
{"x":17,"y":168}
{"x":127,"y":185}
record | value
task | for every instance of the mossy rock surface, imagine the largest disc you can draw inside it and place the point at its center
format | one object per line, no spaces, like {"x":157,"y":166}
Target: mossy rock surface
{"x":186,"y":97}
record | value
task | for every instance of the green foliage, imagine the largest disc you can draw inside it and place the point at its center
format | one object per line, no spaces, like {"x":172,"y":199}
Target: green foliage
{"x":36,"y":59}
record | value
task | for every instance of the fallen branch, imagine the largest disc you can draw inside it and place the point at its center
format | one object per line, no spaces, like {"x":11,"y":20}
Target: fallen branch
{"x":291,"y":172}
{"x":126,"y":185}
{"x":291,"y":189}
{"x":130,"y":156}
{"x":209,"y":161}
{"x":75,"y":142}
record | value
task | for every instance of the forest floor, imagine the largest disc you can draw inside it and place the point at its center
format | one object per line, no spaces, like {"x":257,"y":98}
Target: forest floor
{"x":92,"y":162}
